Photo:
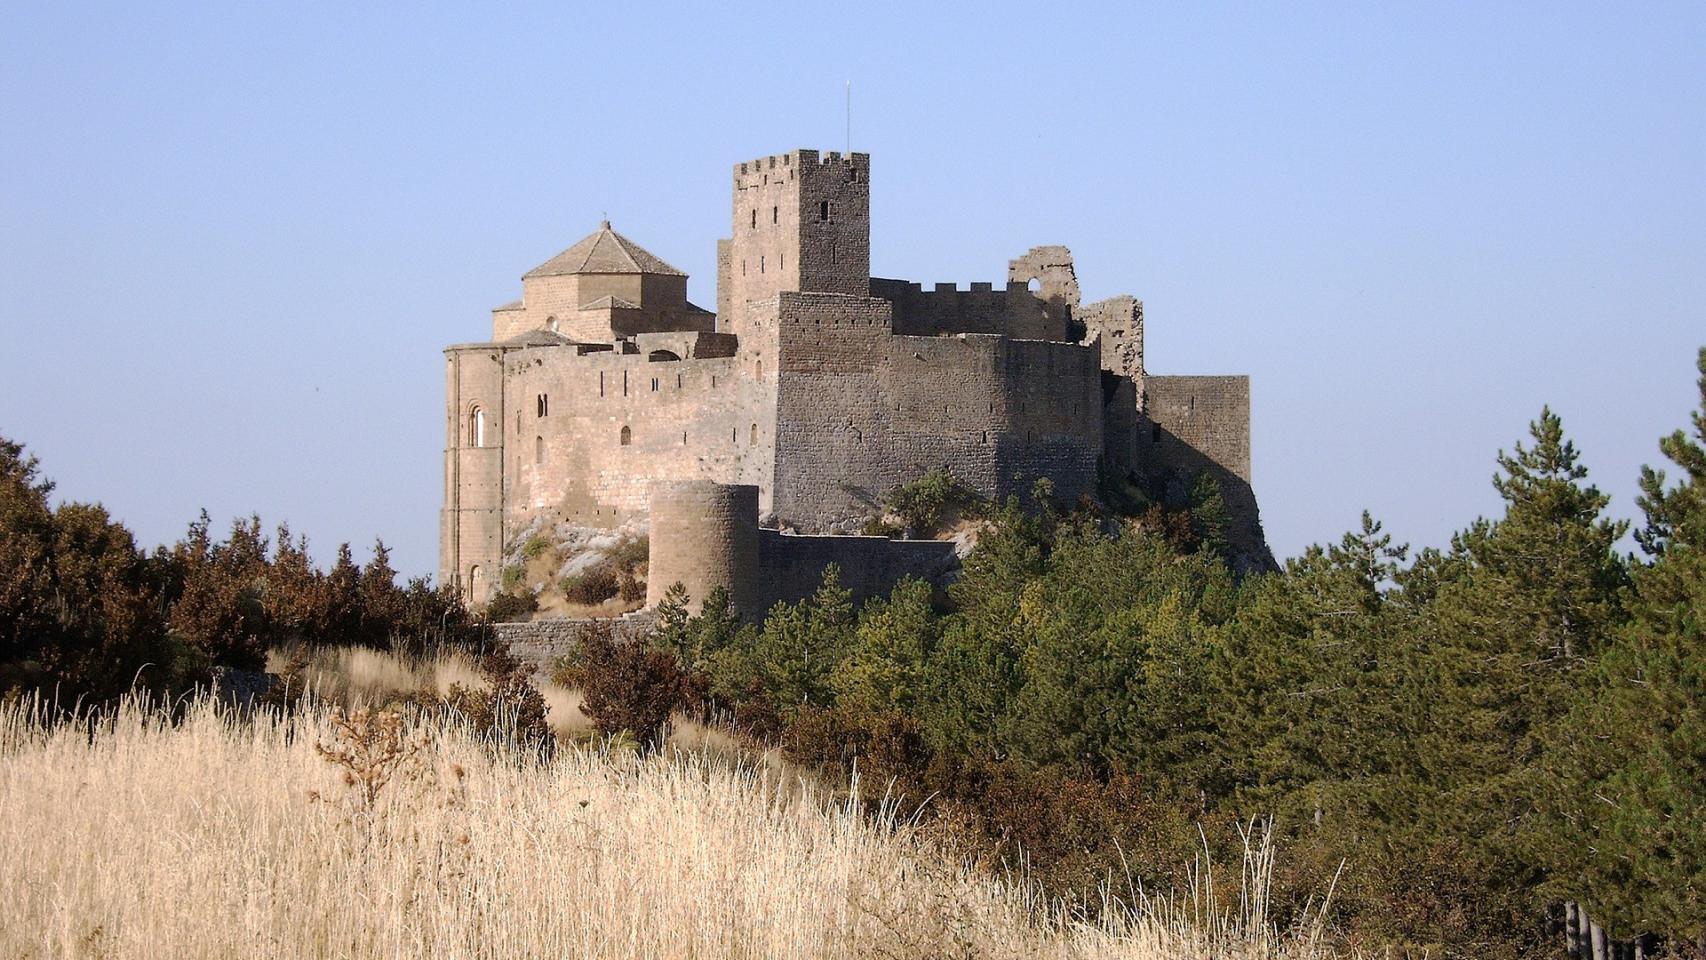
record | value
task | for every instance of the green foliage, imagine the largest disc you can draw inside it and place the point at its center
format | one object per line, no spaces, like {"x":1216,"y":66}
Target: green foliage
{"x":512,"y":607}
{"x":513,"y":578}
{"x":1209,"y":518}
{"x":925,"y":504}
{"x":85,"y":613}
{"x":1630,"y":821}
{"x":534,"y":547}
{"x":592,"y":586}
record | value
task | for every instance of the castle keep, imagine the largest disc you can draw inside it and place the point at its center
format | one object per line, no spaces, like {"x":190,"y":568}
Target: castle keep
{"x":604,"y":397}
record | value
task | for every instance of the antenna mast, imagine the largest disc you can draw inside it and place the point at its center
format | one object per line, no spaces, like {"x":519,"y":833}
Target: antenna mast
{"x":849,"y":118}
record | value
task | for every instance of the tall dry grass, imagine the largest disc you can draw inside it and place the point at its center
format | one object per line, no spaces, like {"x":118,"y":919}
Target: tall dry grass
{"x":220,"y":836}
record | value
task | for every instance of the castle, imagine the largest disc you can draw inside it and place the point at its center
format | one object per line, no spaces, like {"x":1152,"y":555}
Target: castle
{"x":758,"y":440}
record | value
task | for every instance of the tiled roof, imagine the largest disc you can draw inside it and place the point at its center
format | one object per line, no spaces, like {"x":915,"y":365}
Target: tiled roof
{"x":605,"y":251}
{"x":610,"y":303}
{"x":537,"y":338}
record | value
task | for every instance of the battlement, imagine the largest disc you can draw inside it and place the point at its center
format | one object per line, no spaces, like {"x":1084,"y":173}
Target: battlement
{"x":797,"y":164}
{"x":1010,"y":310}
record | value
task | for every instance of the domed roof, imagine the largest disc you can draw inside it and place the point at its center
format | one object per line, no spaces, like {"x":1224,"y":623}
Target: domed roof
{"x":604,"y":251}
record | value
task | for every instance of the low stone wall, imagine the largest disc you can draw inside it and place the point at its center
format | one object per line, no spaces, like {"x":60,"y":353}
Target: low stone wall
{"x":540,"y":642}
{"x":791,"y":565}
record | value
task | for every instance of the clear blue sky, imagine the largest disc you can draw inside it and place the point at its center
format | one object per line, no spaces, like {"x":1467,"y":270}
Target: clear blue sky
{"x":235,"y":237}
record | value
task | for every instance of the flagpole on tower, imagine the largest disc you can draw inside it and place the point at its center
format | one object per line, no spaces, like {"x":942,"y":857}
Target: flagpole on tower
{"x":849,"y":118}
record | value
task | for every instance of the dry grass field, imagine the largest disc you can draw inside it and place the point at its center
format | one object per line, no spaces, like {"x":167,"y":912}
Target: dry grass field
{"x":304,"y":835}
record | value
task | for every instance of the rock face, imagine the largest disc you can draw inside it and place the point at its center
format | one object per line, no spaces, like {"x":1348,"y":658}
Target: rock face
{"x":812,"y":392}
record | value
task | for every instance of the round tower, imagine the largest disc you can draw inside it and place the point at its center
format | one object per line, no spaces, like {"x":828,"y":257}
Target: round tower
{"x":705,"y":535}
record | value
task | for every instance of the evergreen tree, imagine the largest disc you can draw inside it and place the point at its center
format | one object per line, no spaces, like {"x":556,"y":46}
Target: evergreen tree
{"x":1499,"y":659}
{"x":1631,"y":774}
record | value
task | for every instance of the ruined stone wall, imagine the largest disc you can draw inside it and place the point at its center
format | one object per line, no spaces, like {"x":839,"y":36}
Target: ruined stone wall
{"x":1192,"y":424}
{"x":471,"y":523}
{"x":1012,"y":311}
{"x":1117,"y":323}
{"x":615,"y":422}
{"x":861,"y":410}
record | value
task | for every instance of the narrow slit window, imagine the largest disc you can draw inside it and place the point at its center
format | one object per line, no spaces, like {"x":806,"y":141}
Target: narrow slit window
{"x":477,"y":427}
{"x":538,"y":449}
{"x":627,"y":435}
{"x":823,"y":211}
{"x":775,"y":214}
{"x":755,"y":218}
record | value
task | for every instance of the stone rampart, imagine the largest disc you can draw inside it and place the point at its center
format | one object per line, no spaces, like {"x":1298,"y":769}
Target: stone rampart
{"x":1013,"y":311}
{"x":541,"y":642}
{"x":791,"y":566}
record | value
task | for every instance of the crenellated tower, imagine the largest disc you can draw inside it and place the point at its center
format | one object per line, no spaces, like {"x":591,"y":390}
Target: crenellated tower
{"x":800,"y":222}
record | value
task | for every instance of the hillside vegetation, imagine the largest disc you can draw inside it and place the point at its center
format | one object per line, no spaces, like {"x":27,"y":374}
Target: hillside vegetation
{"x":318,"y":834}
{"x":1493,"y":749}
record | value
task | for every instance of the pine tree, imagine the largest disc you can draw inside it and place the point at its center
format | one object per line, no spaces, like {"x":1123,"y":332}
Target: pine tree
{"x":1632,"y":786}
{"x":1521,"y":609}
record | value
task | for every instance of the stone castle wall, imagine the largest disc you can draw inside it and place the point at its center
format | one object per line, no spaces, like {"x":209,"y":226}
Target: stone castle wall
{"x":1013,"y":311}
{"x":590,"y":434}
{"x":861,"y":410}
{"x":471,"y":523}
{"x":1193,"y":424}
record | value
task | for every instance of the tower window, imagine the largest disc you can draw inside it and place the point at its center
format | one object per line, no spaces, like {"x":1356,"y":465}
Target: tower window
{"x":538,"y":449}
{"x":760,"y":264}
{"x":775,"y":214}
{"x":627,"y":435}
{"x":477,"y":427}
{"x":755,"y":218}
{"x":543,"y":403}
{"x":824,"y":211}
{"x":654,"y":384}
{"x":752,"y":439}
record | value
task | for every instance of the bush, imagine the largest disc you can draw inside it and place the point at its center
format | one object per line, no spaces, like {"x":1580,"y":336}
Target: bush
{"x":627,"y":685}
{"x":592,"y":586}
{"x":925,"y":504}
{"x":513,"y":578}
{"x":510,"y":708}
{"x":535,"y":546}
{"x":511,"y":607}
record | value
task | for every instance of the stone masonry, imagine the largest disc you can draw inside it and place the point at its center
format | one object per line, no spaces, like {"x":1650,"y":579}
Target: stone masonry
{"x":604,"y":396}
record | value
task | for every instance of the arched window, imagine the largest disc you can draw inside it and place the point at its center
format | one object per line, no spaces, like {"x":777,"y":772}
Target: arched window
{"x":477,"y":427}
{"x":538,"y":449}
{"x":475,"y":581}
{"x":627,"y":435}
{"x":752,"y":439}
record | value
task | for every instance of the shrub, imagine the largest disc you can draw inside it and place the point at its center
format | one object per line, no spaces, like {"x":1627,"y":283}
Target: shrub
{"x":512,"y":578}
{"x":510,"y":708}
{"x":592,"y":586}
{"x":511,"y":607}
{"x":628,"y":685}
{"x":535,"y":546}
{"x":925,"y":504}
